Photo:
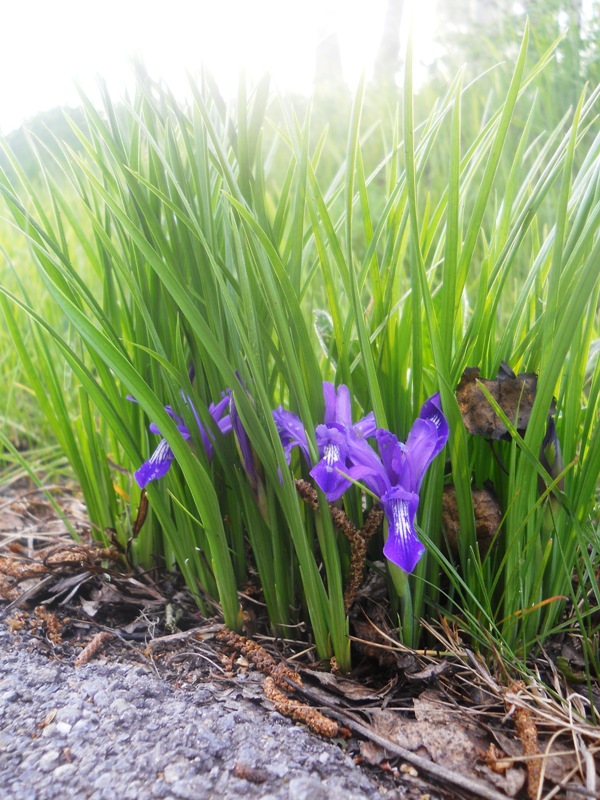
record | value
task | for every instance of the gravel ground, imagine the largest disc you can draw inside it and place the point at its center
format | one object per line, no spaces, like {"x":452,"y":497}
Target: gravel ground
{"x":116,"y":731}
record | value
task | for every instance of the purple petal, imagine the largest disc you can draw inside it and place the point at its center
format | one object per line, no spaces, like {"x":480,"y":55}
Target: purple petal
{"x":217,"y":412}
{"x":426,"y":439}
{"x":291,"y":432}
{"x":402,"y":547}
{"x":366,"y":426}
{"x":365,"y":465}
{"x":332,"y":442}
{"x":181,"y":426}
{"x":222,"y":420}
{"x":420,"y":450}
{"x":157,"y":465}
{"x":244,"y":446}
{"x":343,"y":406}
{"x":432,"y":411}
{"x":391,"y":454}
{"x":330,"y":396}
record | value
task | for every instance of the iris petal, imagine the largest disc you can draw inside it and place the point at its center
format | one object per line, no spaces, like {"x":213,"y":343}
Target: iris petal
{"x":160,"y":461}
{"x":402,"y":547}
{"x":291,"y":432}
{"x":366,"y":426}
{"x":333,"y":446}
{"x":156,"y":466}
{"x":343,"y":406}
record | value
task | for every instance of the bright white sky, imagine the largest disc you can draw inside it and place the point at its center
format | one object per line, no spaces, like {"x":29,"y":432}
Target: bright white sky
{"x":49,"y":45}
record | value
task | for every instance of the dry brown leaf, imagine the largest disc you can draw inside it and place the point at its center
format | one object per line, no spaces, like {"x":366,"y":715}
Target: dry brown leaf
{"x":514,"y":394}
{"x":430,"y":672}
{"x":351,"y":690}
{"x":488,"y":517}
{"x":510,"y":782}
{"x":10,"y":522}
{"x":372,"y":753}
{"x":444,"y":735}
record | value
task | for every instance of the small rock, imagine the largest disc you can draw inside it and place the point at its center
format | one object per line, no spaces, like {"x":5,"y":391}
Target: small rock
{"x":64,"y":771}
{"x":64,"y":728}
{"x":176,"y":771}
{"x":48,"y":760}
{"x":191,"y":790}
{"x":306,"y":789}
{"x":103,"y":699}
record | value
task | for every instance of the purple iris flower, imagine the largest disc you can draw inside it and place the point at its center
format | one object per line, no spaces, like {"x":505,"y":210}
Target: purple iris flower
{"x":161,"y":459}
{"x":396,"y":478}
{"x":336,"y":439}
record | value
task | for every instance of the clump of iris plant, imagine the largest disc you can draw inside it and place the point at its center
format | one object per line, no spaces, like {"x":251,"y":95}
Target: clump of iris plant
{"x":394,"y":476}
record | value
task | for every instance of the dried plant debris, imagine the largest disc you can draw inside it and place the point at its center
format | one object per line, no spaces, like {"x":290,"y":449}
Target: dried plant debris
{"x":93,"y":648}
{"x":514,"y":394}
{"x":59,"y":560}
{"x":281,"y":674}
{"x":488,"y":517}
{"x":42,"y":622}
{"x":280,"y":681}
{"x":446,"y":736}
{"x":301,"y":712}
{"x":351,"y":690}
{"x":25,"y":512}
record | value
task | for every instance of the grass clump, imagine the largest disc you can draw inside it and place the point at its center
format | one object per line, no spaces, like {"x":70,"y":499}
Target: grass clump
{"x":189,"y":250}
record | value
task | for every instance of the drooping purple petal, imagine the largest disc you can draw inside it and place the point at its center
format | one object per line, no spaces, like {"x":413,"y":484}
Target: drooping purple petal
{"x":402,"y":547}
{"x":333,"y":447}
{"x":156,"y":466}
{"x":291,"y":432}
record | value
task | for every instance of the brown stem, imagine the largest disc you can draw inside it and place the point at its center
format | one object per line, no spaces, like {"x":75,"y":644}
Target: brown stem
{"x":358,"y":539}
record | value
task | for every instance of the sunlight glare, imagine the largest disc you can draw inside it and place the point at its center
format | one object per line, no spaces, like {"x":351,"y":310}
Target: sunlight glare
{"x":58,"y":45}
